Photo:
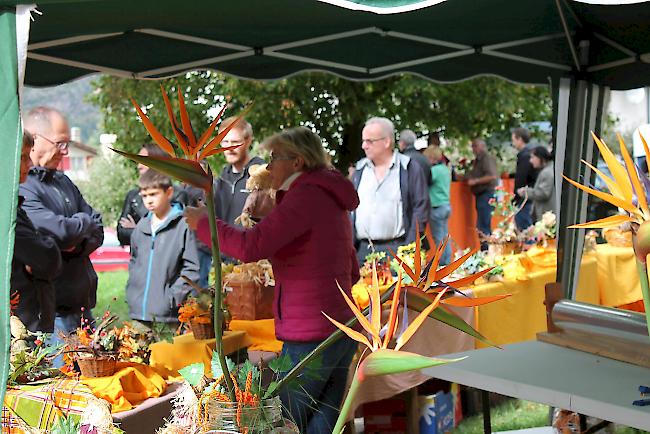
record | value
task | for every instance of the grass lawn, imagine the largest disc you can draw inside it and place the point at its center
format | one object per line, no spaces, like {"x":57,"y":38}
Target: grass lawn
{"x":512,"y":414}
{"x":110,"y":294}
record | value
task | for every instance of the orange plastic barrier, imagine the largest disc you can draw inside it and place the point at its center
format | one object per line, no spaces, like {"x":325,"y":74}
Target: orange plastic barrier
{"x":462,"y":222}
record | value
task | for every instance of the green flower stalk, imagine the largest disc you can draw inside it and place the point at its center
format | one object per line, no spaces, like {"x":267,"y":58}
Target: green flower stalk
{"x":187,"y":168}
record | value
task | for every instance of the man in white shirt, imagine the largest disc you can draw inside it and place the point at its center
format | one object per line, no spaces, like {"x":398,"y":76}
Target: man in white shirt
{"x":392,"y":192}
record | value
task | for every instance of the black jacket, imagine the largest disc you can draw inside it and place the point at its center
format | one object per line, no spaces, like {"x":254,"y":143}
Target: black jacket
{"x":37,"y":304}
{"x":158,"y":260}
{"x":415,"y":196}
{"x":423,"y":162}
{"x":525,"y":174}
{"x":230,"y":192}
{"x":134,"y":207}
{"x":55,"y":206}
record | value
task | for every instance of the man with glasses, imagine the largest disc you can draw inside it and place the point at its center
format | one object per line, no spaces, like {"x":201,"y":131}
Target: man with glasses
{"x":392,"y":190}
{"x":56,"y":207}
{"x":230,"y":191}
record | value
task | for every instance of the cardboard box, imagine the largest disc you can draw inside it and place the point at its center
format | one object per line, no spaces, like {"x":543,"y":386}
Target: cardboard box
{"x":437,"y":413}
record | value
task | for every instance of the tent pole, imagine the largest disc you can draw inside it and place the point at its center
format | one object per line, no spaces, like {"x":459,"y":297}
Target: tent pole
{"x":10,"y":147}
{"x":584,"y":114}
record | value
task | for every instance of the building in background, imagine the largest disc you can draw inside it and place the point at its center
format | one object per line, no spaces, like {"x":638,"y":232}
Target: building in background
{"x":79,"y":158}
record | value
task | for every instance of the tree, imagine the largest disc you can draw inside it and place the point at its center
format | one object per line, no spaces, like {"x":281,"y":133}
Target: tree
{"x":333,"y":107}
{"x":108,"y":181}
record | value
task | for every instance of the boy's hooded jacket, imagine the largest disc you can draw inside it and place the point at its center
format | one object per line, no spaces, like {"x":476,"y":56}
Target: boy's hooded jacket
{"x":308,"y":239}
{"x":158,"y":260}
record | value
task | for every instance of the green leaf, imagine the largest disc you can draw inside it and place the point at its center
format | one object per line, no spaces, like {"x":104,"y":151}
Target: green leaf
{"x":270,"y":389}
{"x":242,"y":373}
{"x":216,"y":366}
{"x":312,"y":369}
{"x":418,"y":300}
{"x":282,"y":363}
{"x":384,"y":362}
{"x":193,"y":373}
{"x":70,"y":424}
{"x":187,"y":171}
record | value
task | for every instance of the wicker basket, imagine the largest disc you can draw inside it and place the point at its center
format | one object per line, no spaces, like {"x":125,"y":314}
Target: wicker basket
{"x":100,"y":366}
{"x":248,"y":300}
{"x":201,"y":330}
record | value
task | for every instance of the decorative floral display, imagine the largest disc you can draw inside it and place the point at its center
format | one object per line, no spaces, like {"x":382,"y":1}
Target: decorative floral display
{"x":30,"y":359}
{"x":407,"y":255}
{"x":384,"y":341}
{"x":384,"y":274}
{"x":203,"y":404}
{"x":628,"y":189}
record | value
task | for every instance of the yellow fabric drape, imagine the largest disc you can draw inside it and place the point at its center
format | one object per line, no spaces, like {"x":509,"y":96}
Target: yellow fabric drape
{"x":260,"y":333}
{"x":521,"y":316}
{"x":618,"y":279}
{"x":131,"y":384}
{"x":167,"y":358}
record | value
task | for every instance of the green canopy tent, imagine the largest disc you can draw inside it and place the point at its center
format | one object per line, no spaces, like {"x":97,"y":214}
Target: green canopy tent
{"x":579,"y":48}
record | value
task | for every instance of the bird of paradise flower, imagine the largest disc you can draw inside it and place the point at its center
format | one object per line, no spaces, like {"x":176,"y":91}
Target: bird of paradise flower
{"x":383,"y":360}
{"x":183,"y":163}
{"x":628,"y":190}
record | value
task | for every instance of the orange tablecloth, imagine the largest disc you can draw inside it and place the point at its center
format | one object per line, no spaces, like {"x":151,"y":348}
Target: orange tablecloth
{"x":462,"y":222}
{"x":168,"y":358}
{"x":131,"y":384}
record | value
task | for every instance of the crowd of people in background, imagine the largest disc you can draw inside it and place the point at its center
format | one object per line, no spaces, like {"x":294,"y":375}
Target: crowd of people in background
{"x":318,"y":233}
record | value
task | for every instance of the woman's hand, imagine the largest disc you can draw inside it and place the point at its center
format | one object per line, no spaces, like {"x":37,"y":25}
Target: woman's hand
{"x":521,"y":191}
{"x":193,"y":215}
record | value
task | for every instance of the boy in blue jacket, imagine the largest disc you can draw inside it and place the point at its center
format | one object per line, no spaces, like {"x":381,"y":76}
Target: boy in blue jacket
{"x":162,"y":250}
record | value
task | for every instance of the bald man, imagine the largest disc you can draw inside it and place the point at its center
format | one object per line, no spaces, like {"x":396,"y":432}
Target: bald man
{"x":56,"y":207}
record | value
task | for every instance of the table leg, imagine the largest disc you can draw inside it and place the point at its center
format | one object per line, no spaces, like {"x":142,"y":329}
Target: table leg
{"x":485,"y":401}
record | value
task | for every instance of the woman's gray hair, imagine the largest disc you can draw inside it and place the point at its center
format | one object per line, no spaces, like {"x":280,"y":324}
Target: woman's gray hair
{"x":299,"y":142}
{"x":386,"y":125}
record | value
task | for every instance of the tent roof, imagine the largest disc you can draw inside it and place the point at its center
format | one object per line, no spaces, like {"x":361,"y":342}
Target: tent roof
{"x":520,"y":40}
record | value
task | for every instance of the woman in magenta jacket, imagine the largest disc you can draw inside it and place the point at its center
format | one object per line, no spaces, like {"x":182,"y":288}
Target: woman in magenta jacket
{"x":308,"y":239}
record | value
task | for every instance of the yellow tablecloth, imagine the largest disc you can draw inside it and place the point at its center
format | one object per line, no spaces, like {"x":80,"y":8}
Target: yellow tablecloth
{"x":131,"y":384}
{"x":168,"y":358}
{"x":618,"y":280}
{"x":519,"y":317}
{"x":260,"y":334}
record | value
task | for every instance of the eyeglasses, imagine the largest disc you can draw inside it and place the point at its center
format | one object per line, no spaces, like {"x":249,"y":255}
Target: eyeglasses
{"x":372,"y":141}
{"x":61,"y":145}
{"x":273,"y":158}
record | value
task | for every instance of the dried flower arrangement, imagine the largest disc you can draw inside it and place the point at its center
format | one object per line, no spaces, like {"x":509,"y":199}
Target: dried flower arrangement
{"x":30,"y":359}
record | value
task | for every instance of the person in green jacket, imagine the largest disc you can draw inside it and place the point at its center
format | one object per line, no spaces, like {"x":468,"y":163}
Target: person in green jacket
{"x":439,"y":197}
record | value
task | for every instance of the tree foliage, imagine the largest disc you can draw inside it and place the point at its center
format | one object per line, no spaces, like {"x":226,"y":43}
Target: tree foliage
{"x":109,"y":179}
{"x":333,"y":107}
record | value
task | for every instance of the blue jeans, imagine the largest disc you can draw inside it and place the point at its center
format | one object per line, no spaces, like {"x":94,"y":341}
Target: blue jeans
{"x":66,"y":324}
{"x":440,"y":229}
{"x":314,"y":401}
{"x":205,"y":262}
{"x":524,"y":218}
{"x":484,"y":214}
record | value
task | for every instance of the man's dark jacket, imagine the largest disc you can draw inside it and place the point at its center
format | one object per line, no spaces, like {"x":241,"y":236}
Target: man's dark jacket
{"x":423,"y":162}
{"x":134,"y":207}
{"x":37,"y":305}
{"x":55,"y":206}
{"x":415,"y":196}
{"x":525,"y":174}
{"x":230,"y":191}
